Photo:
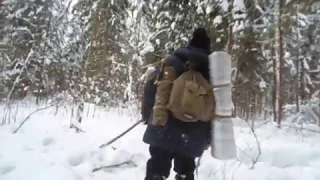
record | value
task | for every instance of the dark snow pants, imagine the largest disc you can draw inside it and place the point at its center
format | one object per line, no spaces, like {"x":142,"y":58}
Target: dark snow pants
{"x":159,"y":165}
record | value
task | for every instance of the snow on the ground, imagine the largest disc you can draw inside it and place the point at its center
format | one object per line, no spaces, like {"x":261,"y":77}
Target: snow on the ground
{"x":45,"y":148}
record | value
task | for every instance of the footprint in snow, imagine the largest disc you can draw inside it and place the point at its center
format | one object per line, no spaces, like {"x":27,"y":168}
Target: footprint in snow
{"x":28,"y":148}
{"x":6,"y":169}
{"x":75,"y":160}
{"x":47,"y":141}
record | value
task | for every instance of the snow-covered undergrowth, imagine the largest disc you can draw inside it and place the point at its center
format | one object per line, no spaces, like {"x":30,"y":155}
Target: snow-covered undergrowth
{"x":46,"y":148}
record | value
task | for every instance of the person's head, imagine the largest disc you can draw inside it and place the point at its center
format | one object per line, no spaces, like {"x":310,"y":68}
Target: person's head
{"x":200,"y":39}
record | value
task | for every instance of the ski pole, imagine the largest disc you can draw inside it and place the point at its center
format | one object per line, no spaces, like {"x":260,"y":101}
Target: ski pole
{"x":120,"y":135}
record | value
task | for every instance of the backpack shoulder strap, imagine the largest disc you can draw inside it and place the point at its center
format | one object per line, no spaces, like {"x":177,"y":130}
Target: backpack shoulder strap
{"x":162,"y":64}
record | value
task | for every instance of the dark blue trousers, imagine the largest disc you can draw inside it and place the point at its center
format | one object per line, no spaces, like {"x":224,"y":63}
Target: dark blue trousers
{"x":160,"y":163}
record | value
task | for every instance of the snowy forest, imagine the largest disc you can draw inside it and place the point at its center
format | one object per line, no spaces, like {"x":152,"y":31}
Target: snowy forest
{"x":99,"y":51}
{"x":87,"y":60}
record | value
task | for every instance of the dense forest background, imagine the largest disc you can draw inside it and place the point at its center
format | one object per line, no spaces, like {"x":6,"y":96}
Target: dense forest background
{"x":98,"y":51}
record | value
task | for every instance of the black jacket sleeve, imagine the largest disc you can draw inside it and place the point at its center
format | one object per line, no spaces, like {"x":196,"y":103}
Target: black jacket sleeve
{"x":148,"y":98}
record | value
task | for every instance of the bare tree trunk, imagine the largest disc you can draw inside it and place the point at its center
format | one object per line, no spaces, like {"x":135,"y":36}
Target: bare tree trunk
{"x":301,"y":82}
{"x":247,"y":105}
{"x":238,"y":93}
{"x":319,"y":108}
{"x":79,"y":112}
{"x":297,"y":84}
{"x":279,"y":64}
{"x":297,"y":81}
{"x":274,"y":90}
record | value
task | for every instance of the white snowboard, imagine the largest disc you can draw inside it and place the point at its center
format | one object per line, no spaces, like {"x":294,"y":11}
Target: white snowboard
{"x":223,"y":144}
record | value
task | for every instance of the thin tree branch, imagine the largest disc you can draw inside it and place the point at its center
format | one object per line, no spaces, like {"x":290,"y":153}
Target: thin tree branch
{"x":252,"y":128}
{"x":28,"y":117}
{"x":120,"y":135}
{"x":301,"y":128}
{"x":117,"y":165}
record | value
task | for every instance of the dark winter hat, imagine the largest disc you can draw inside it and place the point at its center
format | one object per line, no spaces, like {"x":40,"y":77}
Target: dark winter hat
{"x":200,"y":39}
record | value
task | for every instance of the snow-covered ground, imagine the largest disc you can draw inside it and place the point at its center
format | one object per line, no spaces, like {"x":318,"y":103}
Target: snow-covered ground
{"x":45,"y":148}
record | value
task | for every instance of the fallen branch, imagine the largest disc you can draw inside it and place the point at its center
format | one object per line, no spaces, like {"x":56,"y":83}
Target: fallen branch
{"x":120,"y":135}
{"x":261,"y":124}
{"x":128,"y":162}
{"x":28,"y":117}
{"x":301,"y":128}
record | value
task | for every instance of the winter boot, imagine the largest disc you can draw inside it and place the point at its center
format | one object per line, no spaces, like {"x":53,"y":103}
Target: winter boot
{"x":185,"y":177}
{"x":155,"y":177}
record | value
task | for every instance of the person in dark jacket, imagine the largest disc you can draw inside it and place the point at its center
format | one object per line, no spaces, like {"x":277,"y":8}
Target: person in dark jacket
{"x":176,"y":140}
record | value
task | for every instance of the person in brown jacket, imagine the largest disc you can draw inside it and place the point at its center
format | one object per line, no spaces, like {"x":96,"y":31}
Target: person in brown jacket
{"x":176,"y":140}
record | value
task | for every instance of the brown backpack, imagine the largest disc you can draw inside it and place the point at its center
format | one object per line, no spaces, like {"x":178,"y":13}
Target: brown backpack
{"x":191,"y":98}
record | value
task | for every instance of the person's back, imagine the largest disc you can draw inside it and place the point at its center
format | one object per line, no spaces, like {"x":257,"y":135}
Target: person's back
{"x":174,"y":139}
